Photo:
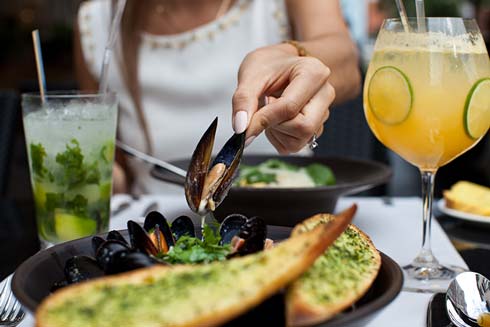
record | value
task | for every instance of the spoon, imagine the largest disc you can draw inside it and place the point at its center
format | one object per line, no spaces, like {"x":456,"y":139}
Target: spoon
{"x":468,"y":300}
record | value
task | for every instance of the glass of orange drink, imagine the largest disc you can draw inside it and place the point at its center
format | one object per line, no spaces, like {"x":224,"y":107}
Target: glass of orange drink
{"x":427,"y":98}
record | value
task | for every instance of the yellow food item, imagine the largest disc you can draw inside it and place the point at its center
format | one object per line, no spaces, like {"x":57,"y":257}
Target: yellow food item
{"x":337,"y":279}
{"x":468,"y":197}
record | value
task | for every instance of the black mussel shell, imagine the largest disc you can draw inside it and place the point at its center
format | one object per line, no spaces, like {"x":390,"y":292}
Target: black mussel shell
{"x":107,"y":250}
{"x":115,"y":235}
{"x":254,"y":232}
{"x":199,"y":167}
{"x":155,"y":218}
{"x":80,"y":268}
{"x":97,"y":241}
{"x":230,"y":155}
{"x":181,"y":226}
{"x":231,"y":226}
{"x":129,"y":260}
{"x":140,"y":240}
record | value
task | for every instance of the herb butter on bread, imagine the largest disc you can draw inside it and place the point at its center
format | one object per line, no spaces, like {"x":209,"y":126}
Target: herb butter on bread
{"x":337,"y":279}
{"x":468,"y":197}
{"x":185,"y":295}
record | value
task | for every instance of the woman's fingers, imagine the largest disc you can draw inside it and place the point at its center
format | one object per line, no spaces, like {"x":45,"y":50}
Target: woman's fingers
{"x":306,"y":79}
{"x":295,"y":133}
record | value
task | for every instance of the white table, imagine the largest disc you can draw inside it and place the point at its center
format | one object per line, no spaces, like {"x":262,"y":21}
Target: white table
{"x":395,"y":229}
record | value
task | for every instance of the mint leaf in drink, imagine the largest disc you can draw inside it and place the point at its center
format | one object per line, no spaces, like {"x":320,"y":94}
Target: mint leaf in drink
{"x":72,"y":162}
{"x":320,"y":174}
{"x":78,"y":205}
{"x":38,"y":153}
{"x":93,"y":174}
{"x":54,"y":200}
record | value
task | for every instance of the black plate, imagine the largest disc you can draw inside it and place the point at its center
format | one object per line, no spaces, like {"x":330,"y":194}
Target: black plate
{"x":33,"y":279}
{"x":288,"y":206}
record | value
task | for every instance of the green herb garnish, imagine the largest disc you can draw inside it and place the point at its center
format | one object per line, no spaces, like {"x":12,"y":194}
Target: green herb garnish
{"x":320,"y":174}
{"x":192,"y":250}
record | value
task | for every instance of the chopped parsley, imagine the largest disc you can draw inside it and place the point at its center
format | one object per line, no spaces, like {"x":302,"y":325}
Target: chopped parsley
{"x":193,"y":250}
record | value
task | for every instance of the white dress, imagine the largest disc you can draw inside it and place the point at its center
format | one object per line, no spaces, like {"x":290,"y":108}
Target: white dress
{"x":186,"y":79}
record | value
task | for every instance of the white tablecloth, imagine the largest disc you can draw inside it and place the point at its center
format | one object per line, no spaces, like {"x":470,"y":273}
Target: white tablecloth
{"x":395,"y":229}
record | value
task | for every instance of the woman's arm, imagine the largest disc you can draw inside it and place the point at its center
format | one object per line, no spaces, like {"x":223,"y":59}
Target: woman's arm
{"x":320,"y":27}
{"x":298,"y":90}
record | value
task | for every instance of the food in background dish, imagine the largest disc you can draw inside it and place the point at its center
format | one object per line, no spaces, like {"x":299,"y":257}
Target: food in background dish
{"x":468,"y":197}
{"x":277,"y":173}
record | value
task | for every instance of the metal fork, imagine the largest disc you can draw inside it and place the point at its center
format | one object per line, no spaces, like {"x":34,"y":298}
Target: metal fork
{"x":11,"y":312}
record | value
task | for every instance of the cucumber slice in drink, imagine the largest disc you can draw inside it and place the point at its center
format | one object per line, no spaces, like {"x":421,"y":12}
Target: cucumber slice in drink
{"x":70,"y":227}
{"x":477,"y":109}
{"x":390,"y":95}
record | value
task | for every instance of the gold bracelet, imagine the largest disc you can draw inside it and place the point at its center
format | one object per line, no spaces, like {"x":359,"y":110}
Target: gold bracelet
{"x":302,"y":52}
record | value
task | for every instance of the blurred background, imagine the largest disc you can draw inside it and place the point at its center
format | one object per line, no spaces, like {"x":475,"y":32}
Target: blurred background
{"x":55,"y":19}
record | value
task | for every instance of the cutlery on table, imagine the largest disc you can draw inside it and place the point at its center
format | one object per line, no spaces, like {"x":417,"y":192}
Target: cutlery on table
{"x":468,"y":300}
{"x":151,"y":160}
{"x":11,"y":312}
{"x":466,"y":303}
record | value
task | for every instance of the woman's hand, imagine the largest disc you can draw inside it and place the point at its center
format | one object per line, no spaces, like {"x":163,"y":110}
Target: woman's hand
{"x":297,"y":97}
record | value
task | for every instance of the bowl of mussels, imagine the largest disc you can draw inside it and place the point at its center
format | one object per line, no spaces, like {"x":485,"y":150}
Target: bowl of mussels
{"x":239,"y":268}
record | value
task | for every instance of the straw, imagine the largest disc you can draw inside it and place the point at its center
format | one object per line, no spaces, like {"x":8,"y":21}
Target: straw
{"x":41,"y":77}
{"x":403,"y":15}
{"x":420,"y":10}
{"x":116,"y":21}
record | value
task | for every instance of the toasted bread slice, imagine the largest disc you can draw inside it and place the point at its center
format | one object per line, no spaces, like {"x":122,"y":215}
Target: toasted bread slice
{"x":468,"y":197}
{"x":337,"y":279}
{"x":204,"y":295}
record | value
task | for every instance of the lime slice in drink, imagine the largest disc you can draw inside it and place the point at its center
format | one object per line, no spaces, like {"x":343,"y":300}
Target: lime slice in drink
{"x":477,"y":109}
{"x":70,"y":227}
{"x":390,"y":95}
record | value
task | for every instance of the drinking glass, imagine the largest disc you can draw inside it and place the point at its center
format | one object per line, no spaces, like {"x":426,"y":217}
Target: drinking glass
{"x":70,"y":144}
{"x":427,"y":98}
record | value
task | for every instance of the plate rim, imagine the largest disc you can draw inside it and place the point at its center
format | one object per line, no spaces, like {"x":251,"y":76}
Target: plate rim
{"x":441,"y":205}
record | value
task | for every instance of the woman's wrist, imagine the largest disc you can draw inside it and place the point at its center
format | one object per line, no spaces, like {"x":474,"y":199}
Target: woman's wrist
{"x":299,"y":49}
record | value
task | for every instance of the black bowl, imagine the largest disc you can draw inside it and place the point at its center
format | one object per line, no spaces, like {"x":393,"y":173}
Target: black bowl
{"x":33,"y":279}
{"x":288,"y":206}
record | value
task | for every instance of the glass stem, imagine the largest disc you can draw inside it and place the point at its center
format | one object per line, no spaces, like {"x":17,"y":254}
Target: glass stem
{"x":425,"y":257}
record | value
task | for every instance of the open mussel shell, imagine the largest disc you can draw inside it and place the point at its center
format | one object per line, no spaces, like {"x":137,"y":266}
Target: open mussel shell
{"x":106,"y":251}
{"x":154,"y":222}
{"x":199,"y":166}
{"x":231,"y":226}
{"x":80,"y":268}
{"x":207,"y":184}
{"x":230,"y":155}
{"x":181,"y":226}
{"x":140,"y":240}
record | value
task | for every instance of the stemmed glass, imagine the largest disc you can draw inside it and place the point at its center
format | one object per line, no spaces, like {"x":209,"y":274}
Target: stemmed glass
{"x":427,"y":98}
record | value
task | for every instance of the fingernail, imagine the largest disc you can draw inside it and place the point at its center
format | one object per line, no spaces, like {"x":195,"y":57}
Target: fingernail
{"x":249,"y":140}
{"x":240,"y":122}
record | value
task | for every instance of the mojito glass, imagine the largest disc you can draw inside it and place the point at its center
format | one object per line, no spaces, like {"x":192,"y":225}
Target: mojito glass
{"x":70,"y":144}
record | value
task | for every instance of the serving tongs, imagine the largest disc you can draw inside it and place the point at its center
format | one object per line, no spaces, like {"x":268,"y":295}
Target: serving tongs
{"x":207,"y":184}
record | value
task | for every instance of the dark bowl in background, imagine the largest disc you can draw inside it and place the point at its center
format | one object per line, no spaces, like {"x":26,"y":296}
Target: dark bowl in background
{"x":288,"y":206}
{"x":33,"y":279}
